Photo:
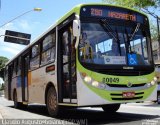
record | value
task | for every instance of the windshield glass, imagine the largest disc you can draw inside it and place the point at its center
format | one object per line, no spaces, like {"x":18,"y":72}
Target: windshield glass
{"x":106,"y":43}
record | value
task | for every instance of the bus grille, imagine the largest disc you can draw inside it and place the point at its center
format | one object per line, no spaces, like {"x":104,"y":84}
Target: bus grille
{"x":119,"y":97}
{"x":124,"y":73}
{"x":121,"y":85}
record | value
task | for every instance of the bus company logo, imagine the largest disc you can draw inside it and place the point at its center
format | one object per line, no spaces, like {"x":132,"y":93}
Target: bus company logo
{"x":129,"y":84}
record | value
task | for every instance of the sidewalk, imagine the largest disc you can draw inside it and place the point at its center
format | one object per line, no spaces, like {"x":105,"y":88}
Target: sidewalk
{"x":1,"y":116}
{"x":1,"y":95}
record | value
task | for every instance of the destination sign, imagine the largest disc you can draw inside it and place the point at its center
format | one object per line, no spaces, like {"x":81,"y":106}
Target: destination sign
{"x":112,"y":12}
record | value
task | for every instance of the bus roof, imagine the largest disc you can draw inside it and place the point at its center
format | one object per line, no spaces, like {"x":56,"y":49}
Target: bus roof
{"x":76,"y":10}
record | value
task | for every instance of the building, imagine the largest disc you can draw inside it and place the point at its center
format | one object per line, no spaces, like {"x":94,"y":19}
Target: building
{"x":156,"y":52}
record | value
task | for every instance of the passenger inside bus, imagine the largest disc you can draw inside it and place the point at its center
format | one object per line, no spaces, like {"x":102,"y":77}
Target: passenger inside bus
{"x":86,"y":50}
{"x":99,"y":59}
{"x":114,"y":49}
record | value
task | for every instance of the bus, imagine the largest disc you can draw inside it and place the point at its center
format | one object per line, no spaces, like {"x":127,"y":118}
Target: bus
{"x":157,"y":70}
{"x":96,"y":55}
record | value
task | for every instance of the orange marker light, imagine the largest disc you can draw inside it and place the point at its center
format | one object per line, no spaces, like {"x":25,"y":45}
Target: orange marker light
{"x":83,"y":74}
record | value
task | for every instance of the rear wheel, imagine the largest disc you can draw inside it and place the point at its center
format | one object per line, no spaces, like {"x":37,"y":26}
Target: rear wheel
{"x":111,"y":108}
{"x":18,"y":105}
{"x":52,"y":103}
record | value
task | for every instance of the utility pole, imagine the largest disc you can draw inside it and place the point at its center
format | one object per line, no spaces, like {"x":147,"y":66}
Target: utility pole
{"x":158,"y":33}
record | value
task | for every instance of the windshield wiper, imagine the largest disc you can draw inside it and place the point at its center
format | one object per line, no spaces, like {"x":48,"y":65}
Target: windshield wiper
{"x":108,"y":29}
{"x":114,"y":34}
{"x":134,"y":32}
{"x":130,"y":38}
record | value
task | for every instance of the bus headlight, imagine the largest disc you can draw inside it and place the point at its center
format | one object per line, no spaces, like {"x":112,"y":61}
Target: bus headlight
{"x":87,"y":79}
{"x":95,"y":83}
{"x":155,"y":79}
{"x":152,"y":82}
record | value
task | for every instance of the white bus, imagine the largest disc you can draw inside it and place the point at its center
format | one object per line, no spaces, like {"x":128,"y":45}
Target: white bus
{"x":72,"y":63}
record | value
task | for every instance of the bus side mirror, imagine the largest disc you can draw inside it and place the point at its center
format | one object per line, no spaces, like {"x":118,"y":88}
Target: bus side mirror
{"x":76,"y":28}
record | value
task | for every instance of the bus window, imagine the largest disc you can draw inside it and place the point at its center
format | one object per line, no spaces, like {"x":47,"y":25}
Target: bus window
{"x":48,"y":49}
{"x":19,"y":66}
{"x":34,"y":62}
{"x":35,"y":50}
{"x":15,"y":68}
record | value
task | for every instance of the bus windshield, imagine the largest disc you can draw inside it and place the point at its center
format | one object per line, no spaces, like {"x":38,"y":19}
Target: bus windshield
{"x":107,"y":42}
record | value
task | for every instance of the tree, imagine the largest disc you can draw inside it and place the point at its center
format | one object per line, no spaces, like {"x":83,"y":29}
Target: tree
{"x":142,"y":5}
{"x":154,"y":33}
{"x":3,"y":60}
{"x":138,"y":4}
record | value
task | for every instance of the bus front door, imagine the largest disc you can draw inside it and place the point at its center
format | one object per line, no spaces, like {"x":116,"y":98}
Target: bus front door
{"x":66,"y":65}
{"x":25,"y":67}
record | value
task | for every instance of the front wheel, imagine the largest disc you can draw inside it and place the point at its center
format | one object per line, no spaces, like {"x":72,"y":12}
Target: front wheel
{"x":51,"y":102}
{"x":158,"y":97}
{"x":111,"y":108}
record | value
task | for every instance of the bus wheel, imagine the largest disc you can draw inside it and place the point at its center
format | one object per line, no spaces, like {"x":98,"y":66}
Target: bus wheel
{"x":18,"y":105}
{"x":51,"y":102}
{"x":111,"y":108}
{"x":158,"y":97}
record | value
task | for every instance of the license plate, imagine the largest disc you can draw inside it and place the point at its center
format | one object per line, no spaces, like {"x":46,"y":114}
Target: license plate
{"x":128,"y":94}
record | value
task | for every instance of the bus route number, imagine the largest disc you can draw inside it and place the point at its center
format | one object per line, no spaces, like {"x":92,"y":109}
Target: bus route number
{"x":110,"y":80}
{"x":96,"y":12}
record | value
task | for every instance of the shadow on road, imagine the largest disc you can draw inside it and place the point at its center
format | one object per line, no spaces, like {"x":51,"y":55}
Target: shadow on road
{"x":92,"y":116}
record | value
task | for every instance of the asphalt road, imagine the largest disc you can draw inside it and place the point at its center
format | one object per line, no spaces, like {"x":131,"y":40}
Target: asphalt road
{"x":128,"y":114}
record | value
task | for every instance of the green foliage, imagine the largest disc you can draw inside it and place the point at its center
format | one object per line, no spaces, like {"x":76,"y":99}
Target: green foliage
{"x":138,"y":4}
{"x":3,"y":60}
{"x":154,"y":33}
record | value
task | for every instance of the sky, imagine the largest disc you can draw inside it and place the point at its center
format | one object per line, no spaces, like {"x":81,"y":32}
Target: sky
{"x":34,"y":23}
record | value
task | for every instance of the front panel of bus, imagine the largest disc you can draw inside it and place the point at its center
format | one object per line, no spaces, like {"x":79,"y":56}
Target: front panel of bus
{"x":114,"y":61}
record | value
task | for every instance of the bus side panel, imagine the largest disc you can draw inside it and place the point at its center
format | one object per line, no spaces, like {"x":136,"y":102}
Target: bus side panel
{"x":38,"y":81}
{"x":6,"y":90}
{"x":19,"y":88}
{"x":86,"y":96}
{"x":36,"y":87}
{"x":13,"y":86}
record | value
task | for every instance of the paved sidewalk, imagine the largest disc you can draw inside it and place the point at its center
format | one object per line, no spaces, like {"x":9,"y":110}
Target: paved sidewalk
{"x":1,"y":95}
{"x":1,"y":112}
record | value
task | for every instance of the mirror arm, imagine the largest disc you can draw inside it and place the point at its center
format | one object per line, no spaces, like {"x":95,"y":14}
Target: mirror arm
{"x":77,"y":37}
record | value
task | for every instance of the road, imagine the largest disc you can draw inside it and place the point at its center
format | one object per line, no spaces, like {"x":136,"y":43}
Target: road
{"x":128,"y":114}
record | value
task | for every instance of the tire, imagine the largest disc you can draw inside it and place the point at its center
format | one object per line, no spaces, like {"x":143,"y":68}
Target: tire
{"x":18,"y":105}
{"x":52,"y":103}
{"x":158,"y":97}
{"x":110,"y":108}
